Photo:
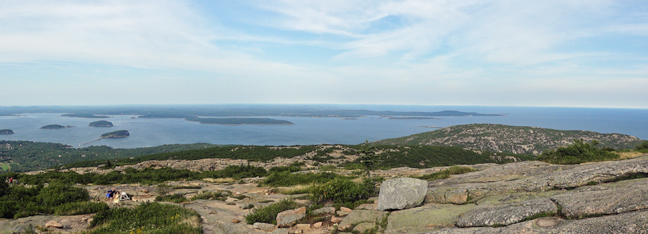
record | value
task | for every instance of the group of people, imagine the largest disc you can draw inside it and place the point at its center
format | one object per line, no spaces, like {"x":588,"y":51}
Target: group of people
{"x":115,"y":195}
{"x":11,"y":181}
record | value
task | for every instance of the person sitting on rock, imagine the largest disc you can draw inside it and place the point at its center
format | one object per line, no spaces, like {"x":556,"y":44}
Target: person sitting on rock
{"x":110,"y":194}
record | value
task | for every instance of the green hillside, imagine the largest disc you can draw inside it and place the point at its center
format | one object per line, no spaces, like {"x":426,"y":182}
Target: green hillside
{"x":510,"y":139}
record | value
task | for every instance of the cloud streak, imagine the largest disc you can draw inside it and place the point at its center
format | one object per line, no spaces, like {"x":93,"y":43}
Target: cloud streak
{"x":495,"y":52}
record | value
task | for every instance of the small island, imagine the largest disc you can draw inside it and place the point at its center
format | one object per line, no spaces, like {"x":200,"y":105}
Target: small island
{"x":116,"y":134}
{"x":101,"y":123}
{"x":240,"y":121}
{"x":6,"y":132}
{"x":54,"y":126}
{"x":92,"y":116}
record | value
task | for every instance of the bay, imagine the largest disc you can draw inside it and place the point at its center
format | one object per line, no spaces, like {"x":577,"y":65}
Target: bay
{"x":305,"y":131}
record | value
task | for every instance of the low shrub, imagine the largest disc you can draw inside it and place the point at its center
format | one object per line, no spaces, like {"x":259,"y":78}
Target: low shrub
{"x":285,"y":179}
{"x":453,"y":170}
{"x":175,"y":198}
{"x":268,"y":214}
{"x":643,"y":147}
{"x":284,"y":168}
{"x":78,"y":208}
{"x":578,"y":152}
{"x":343,"y":191}
{"x":216,"y":195}
{"x":149,"y":217}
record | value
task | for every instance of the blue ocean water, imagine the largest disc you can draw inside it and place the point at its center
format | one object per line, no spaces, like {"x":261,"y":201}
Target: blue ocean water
{"x":153,"y":132}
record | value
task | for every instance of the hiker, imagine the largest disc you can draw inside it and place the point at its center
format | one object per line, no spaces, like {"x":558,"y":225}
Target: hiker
{"x":110,"y":194}
{"x":11,"y":181}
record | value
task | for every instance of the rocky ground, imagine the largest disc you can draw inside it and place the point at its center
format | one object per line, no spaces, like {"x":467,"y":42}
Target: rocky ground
{"x":524,"y":197}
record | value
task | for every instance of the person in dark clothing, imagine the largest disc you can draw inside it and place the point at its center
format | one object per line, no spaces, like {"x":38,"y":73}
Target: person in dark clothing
{"x":110,"y":193}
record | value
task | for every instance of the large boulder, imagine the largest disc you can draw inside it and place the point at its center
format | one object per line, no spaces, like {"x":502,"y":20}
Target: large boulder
{"x":401,"y":193}
{"x":289,"y":217}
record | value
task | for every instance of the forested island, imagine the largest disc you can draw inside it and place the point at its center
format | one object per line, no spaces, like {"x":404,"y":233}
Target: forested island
{"x":6,"y":132}
{"x":101,"y":123}
{"x":86,"y":115}
{"x":240,"y":121}
{"x":55,"y":126}
{"x":409,"y":117}
{"x":116,"y":134}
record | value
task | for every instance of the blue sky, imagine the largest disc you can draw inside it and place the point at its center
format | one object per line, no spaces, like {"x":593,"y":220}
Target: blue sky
{"x":590,"y":53}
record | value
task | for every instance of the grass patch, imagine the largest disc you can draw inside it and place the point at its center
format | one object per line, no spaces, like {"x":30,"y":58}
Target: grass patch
{"x":187,"y":187}
{"x":286,"y":179}
{"x":453,"y":170}
{"x":77,"y":208}
{"x":216,"y":195}
{"x":219,"y":180}
{"x":268,"y":214}
{"x":297,"y":189}
{"x":175,"y":198}
{"x":630,"y":154}
{"x":149,"y":217}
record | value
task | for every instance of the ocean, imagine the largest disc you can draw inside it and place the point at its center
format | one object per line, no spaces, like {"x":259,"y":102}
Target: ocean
{"x":306,"y":131}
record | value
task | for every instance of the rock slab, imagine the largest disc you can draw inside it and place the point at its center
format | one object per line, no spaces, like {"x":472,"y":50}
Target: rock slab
{"x":401,"y":193}
{"x":290,"y":217}
{"x":507,"y":214}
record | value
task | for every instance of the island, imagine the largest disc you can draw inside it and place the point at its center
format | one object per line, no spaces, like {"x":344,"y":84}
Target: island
{"x":55,"y":126}
{"x":93,"y":116}
{"x":410,"y":117}
{"x":101,"y":123}
{"x":239,"y":121}
{"x":6,"y":132}
{"x":116,"y":134}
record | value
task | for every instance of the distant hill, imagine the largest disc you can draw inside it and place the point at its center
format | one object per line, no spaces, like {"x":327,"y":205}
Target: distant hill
{"x":510,"y":139}
{"x":86,"y":115}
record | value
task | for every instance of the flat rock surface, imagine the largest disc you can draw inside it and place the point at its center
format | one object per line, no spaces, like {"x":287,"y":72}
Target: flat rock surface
{"x":627,"y":223}
{"x":507,"y":214}
{"x":425,"y":218}
{"x":361,"y":216}
{"x":529,"y":177}
{"x":613,"y":198}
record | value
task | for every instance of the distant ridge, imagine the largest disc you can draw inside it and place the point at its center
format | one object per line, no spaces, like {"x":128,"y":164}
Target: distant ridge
{"x":510,"y":139}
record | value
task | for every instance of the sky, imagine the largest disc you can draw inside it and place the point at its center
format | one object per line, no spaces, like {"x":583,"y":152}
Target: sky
{"x":577,"y":53}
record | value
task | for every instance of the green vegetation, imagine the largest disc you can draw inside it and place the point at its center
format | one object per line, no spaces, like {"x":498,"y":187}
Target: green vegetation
{"x":343,"y":191}
{"x":175,"y":198}
{"x":116,"y":134}
{"x":100,"y":123}
{"x":509,"y":139}
{"x":239,"y":121}
{"x":78,"y":208}
{"x":149,"y":217}
{"x":284,"y":178}
{"x":579,"y":152}
{"x":214,"y":195}
{"x":6,"y":132}
{"x":643,"y":147}
{"x":86,"y":115}
{"x":27,"y":155}
{"x":268,"y":214}
{"x":367,"y":157}
{"x":57,"y":198}
{"x":54,"y":126}
{"x":453,"y":170}
{"x":145,"y":176}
